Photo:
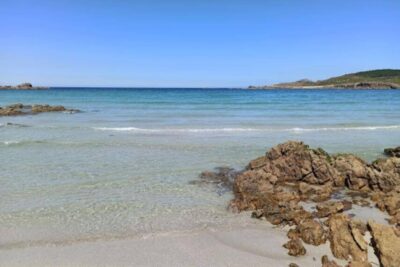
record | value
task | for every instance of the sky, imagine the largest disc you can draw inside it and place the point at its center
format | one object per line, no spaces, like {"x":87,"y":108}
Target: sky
{"x":193,"y":43}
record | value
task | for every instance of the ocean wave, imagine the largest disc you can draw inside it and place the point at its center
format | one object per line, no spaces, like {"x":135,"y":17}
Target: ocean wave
{"x":233,"y":130}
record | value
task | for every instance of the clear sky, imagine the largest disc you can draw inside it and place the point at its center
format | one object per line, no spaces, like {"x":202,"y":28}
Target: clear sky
{"x":208,"y":43}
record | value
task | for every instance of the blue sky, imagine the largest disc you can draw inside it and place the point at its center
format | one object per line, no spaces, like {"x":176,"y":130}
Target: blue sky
{"x":193,"y":43}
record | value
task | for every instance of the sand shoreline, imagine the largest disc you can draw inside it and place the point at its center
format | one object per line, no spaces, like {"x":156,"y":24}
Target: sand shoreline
{"x":255,"y":244}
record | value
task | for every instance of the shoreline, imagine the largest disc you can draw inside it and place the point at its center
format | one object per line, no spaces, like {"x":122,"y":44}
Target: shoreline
{"x":243,"y":245}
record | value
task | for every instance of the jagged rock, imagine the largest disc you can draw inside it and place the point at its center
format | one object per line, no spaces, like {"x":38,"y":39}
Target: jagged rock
{"x":311,"y":232}
{"x":295,"y":247}
{"x":387,"y":174}
{"x":342,"y":242}
{"x":355,"y":171}
{"x":386,"y":244}
{"x":315,"y":192}
{"x":278,"y":211}
{"x":331,"y":207}
{"x":388,"y":201}
{"x":392,"y":152}
{"x":291,"y":162}
{"x":328,"y":263}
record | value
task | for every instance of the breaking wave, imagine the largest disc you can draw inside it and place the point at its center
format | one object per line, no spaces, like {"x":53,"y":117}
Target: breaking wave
{"x":233,"y":130}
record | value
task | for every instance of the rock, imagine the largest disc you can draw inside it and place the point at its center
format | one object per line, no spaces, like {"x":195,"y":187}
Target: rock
{"x":342,"y":242}
{"x":327,"y":263}
{"x":392,"y":152}
{"x":295,"y":161}
{"x":311,"y":232}
{"x":291,"y":162}
{"x":387,"y":174}
{"x":355,"y":171}
{"x":20,"y":109}
{"x":331,"y":207}
{"x":359,"y":264}
{"x":24,"y":86}
{"x":389,"y":201}
{"x":295,"y":247}
{"x":293,"y":265}
{"x":278,"y":211}
{"x":386,"y":244}
{"x":222,"y":177}
{"x":315,"y":192}
{"x":257,"y":163}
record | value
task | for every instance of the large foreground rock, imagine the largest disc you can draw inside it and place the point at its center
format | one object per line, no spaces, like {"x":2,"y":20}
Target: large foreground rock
{"x":343,"y":244}
{"x":387,"y":244}
{"x":291,"y":162}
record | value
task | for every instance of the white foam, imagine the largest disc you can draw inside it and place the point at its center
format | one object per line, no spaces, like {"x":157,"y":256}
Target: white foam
{"x":8,"y":143}
{"x":233,"y":130}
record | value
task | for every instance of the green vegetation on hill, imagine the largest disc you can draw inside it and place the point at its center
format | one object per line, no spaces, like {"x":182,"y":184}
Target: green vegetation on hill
{"x":379,"y":79}
{"x":384,"y":75}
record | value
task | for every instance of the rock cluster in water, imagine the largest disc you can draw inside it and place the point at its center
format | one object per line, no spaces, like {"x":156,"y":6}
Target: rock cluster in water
{"x":23,"y":86}
{"x":274,"y":187}
{"x":21,"y":109}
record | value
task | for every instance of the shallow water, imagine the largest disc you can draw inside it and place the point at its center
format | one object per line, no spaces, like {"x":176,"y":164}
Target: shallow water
{"x":123,"y":166}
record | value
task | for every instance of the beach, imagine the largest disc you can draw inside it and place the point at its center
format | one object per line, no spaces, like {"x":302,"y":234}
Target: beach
{"x":115,"y":184}
{"x":254,"y":243}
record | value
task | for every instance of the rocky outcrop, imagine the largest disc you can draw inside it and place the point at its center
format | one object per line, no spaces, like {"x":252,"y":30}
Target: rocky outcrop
{"x":387,"y":244}
{"x":21,"y":109}
{"x":309,"y":171}
{"x":276,"y":187}
{"x":22,"y":86}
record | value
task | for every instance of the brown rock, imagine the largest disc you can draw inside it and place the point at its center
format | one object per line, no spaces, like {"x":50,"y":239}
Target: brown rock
{"x":311,"y":232}
{"x":359,"y":264}
{"x":315,"y":192}
{"x":293,"y":265}
{"x":20,"y":109}
{"x":355,"y":171}
{"x":387,"y":174}
{"x":327,"y":263}
{"x":386,"y":244}
{"x":295,"y":247}
{"x":290,"y":162}
{"x":331,"y":207}
{"x":342,"y":242}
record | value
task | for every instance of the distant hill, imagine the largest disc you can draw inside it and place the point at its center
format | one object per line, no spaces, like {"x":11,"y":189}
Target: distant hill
{"x":373,"y":79}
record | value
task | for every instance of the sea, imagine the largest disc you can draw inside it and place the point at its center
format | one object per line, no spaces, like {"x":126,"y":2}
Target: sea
{"x":124,"y":166}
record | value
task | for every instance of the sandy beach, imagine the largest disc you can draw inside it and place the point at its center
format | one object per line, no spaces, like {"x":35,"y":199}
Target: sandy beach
{"x":257,"y":243}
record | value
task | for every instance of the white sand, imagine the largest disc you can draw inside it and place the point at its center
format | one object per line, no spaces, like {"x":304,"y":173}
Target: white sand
{"x":256,"y":244}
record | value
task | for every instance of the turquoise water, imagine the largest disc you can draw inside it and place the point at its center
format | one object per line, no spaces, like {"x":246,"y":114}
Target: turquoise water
{"x":122,"y":167}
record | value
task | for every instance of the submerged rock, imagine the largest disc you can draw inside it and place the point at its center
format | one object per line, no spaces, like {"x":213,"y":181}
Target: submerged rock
{"x":21,"y":109}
